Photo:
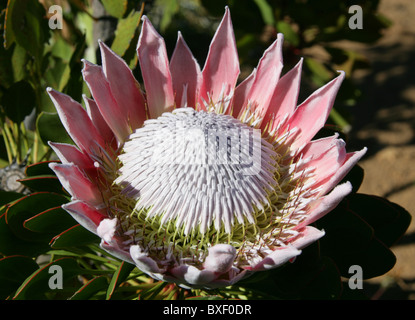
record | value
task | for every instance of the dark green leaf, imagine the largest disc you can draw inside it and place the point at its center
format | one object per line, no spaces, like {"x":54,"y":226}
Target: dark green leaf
{"x":51,"y":221}
{"x":73,"y":237}
{"x":50,"y":128}
{"x":10,"y":244}
{"x":9,"y":196}
{"x":39,"y":169}
{"x":43,"y":183}
{"x":13,"y":271}
{"x":37,"y":284}
{"x":6,"y":68}
{"x":30,"y":26}
{"x":374,"y":258}
{"x":345,"y":232}
{"x":74,"y":85}
{"x":18,"y":101}
{"x":119,"y":276}
{"x":27,"y":207}
{"x":388,"y":220}
{"x":89,"y":289}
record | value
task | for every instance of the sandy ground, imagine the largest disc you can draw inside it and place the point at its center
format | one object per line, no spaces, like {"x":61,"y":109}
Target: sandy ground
{"x":385,"y":123}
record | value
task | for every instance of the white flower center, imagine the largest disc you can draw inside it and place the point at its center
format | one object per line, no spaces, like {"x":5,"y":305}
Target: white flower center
{"x":190,"y":180}
{"x":198,"y":169}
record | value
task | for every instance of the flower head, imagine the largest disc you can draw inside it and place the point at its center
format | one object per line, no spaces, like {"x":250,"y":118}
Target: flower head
{"x":198,"y":180}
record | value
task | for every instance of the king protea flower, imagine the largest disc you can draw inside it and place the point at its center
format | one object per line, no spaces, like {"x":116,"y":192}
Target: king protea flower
{"x":197,"y":180}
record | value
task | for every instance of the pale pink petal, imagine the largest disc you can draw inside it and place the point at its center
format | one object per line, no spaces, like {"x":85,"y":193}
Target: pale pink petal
{"x":100,"y":89}
{"x":329,"y":162}
{"x":155,"y":70}
{"x":117,"y":251}
{"x":285,"y":97}
{"x":68,"y":153}
{"x":316,"y":148}
{"x":143,"y":261}
{"x":311,"y":115}
{"x":278,"y":257}
{"x":266,"y":77}
{"x":99,"y":122}
{"x":77,"y":184}
{"x":193,"y":275}
{"x":325,"y":204}
{"x":221,"y":69}
{"x":186,"y":75}
{"x":76,"y":122}
{"x":220,"y":258}
{"x":84,"y":214}
{"x":107,"y":229}
{"x":241,"y":94}
{"x":124,"y":87}
{"x":350,"y":161}
{"x":306,"y":236}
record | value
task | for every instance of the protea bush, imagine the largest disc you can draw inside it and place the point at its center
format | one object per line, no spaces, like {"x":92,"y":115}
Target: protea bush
{"x":195,"y":180}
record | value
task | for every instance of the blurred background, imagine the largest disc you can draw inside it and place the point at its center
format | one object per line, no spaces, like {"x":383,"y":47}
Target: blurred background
{"x":45,"y":40}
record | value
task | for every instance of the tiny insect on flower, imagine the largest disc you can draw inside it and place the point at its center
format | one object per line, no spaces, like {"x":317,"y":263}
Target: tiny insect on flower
{"x":195,"y":179}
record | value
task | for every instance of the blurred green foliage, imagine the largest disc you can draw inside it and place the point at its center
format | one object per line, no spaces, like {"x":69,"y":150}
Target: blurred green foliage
{"x":35,"y":232}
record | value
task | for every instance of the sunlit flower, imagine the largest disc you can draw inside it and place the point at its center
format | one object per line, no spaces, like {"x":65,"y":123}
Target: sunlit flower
{"x":197,"y":180}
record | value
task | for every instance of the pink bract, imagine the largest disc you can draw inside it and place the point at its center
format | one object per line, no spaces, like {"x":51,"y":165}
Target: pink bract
{"x":306,"y":171}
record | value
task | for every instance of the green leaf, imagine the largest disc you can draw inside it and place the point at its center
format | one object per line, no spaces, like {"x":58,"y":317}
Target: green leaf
{"x":43,"y":183}
{"x":119,"y":276}
{"x":39,"y":169}
{"x":28,"y":207}
{"x":74,"y":237}
{"x":52,"y":221}
{"x":350,"y":240}
{"x":50,"y":128}
{"x":74,"y":85}
{"x":13,"y":271}
{"x":9,"y":196}
{"x":320,"y":73}
{"x":89,"y":289}
{"x":116,"y":8}
{"x":19,"y":60}
{"x":10,"y":244}
{"x":266,"y":12}
{"x":345,"y":232}
{"x":170,"y":8}
{"x":374,"y":258}
{"x":6,"y":68}
{"x":28,"y":26}
{"x":310,"y":276}
{"x":125,"y":32}
{"x":37,"y":284}
{"x":289,"y":34}
{"x":8,"y":35}
{"x":18,"y":101}
{"x":388,"y":220}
